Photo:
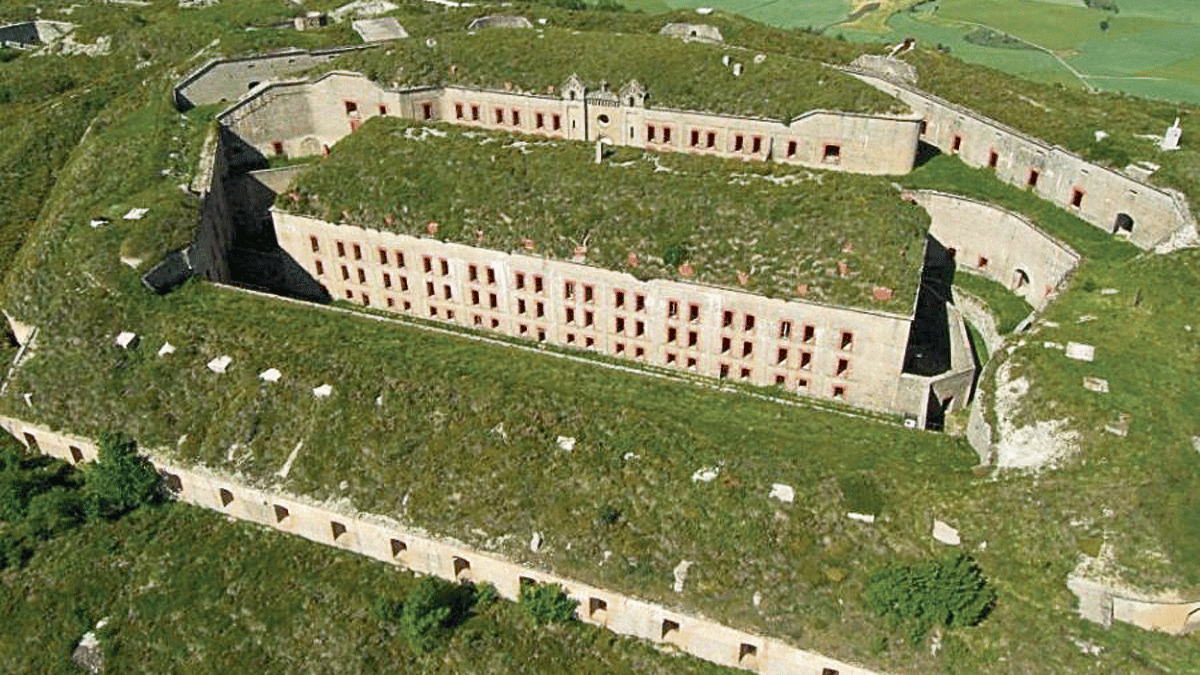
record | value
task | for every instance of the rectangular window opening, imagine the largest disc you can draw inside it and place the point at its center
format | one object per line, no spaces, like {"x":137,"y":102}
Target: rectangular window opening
{"x":833,"y":154}
{"x":791,"y":149}
{"x":1033,"y":178}
{"x":1076,"y":198}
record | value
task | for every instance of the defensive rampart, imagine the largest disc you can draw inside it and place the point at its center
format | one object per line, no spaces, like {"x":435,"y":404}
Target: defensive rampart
{"x":229,"y":78}
{"x":1114,"y":202}
{"x":1104,"y":603}
{"x":389,"y":541}
{"x":998,"y":244}
{"x":300,"y":118}
{"x":844,"y":354}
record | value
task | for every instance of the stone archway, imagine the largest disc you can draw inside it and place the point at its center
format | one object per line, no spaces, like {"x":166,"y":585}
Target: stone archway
{"x":310,"y":146}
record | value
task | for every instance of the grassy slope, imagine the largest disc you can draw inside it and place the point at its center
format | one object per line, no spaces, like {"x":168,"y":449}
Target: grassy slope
{"x":678,"y":74}
{"x":254,"y":600}
{"x":731,"y":218}
{"x":82,"y":301}
{"x":1010,"y":309}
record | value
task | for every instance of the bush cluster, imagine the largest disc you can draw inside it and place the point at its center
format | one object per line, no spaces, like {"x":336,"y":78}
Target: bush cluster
{"x":917,"y":596}
{"x":41,"y":498}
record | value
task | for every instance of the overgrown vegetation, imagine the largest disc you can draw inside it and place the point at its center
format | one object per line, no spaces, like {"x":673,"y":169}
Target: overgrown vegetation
{"x":547,"y":603}
{"x":677,"y":74}
{"x":1009,"y":308}
{"x":948,"y":593}
{"x":782,"y":226}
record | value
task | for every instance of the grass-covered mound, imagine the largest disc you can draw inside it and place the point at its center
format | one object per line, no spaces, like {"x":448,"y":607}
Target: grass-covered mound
{"x":780,"y":225}
{"x":677,"y":74}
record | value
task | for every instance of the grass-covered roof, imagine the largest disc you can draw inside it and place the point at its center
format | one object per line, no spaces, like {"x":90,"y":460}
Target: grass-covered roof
{"x":677,"y":74}
{"x":782,"y":226}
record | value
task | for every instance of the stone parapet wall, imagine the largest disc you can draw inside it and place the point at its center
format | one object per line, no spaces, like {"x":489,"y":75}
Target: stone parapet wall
{"x":229,"y":78}
{"x":707,"y":330}
{"x":999,"y":244}
{"x":1112,"y":201}
{"x":299,"y":118}
{"x":404,"y":546}
{"x":1104,"y":602}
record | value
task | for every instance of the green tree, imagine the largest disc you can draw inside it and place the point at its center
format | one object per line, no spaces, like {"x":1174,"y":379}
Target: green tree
{"x":547,"y":603}
{"x":950,"y":592}
{"x":54,"y":511}
{"x":424,"y":614}
{"x":120,"y":480}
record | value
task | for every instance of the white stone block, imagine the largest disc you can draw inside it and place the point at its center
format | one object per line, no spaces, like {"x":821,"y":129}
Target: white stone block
{"x":705,"y":474}
{"x":1080,"y":352}
{"x":167,"y":348}
{"x":220,"y":364}
{"x":136,"y":214}
{"x":862,"y":517}
{"x":566,"y":443}
{"x":323,"y":391}
{"x":783,"y":493}
{"x":945,"y":534}
{"x":125,"y":338}
{"x":270,"y":375}
{"x":1095,"y":384}
{"x":680,"y":572}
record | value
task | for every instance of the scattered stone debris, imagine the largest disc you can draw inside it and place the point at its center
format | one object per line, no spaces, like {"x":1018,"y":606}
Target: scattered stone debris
{"x":219,"y":364}
{"x":87,"y":654}
{"x":945,"y":534}
{"x":882,"y":293}
{"x":535,"y":543}
{"x":125,"y":338}
{"x":760,"y":58}
{"x":1087,"y":647}
{"x":1101,"y":135}
{"x":499,"y":431}
{"x":1080,"y":352}
{"x":756,"y":598}
{"x":705,"y":474}
{"x":362,"y":8}
{"x":270,"y":375}
{"x":379,"y":30}
{"x":784,"y":493}
{"x":28,"y":397}
{"x":1109,"y":291}
{"x":1196,"y":443}
{"x":323,"y":391}
{"x":1086,"y":318}
{"x":630,"y":456}
{"x":1119,"y":427}
{"x":1170,"y":140}
{"x":681,"y":572}
{"x":566,"y":443}
{"x":499,"y":21}
{"x":167,"y":348}
{"x":1095,"y":384}
{"x":136,"y":214}
{"x":1052,"y":345}
{"x":862,"y":517}
{"x":99,"y":222}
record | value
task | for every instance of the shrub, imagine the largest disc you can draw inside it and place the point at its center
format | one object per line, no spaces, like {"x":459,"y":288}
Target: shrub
{"x":54,"y":511}
{"x":951,"y":592}
{"x":675,"y":255}
{"x":424,"y":614}
{"x":120,"y":480}
{"x":547,"y":603}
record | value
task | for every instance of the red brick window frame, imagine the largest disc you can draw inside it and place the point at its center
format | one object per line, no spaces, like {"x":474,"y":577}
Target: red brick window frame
{"x":383,"y":256}
{"x":516,"y":117}
{"x":1077,"y":195}
{"x":651,"y":133}
{"x":539,"y":120}
{"x":458,"y":111}
{"x":694,"y":139}
{"x":756,"y":145}
{"x":499,"y":112}
{"x":666,"y":134}
{"x":556,"y":122}
{"x":351,"y":106}
{"x":474,"y":113}
{"x":315,"y":244}
{"x":426,"y":110}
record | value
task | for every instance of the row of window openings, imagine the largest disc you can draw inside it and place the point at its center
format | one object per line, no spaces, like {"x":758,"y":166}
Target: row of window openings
{"x":1030,"y":181}
{"x":785,"y":327}
{"x":539,"y":119}
{"x":426,"y":109}
{"x":569,"y":292}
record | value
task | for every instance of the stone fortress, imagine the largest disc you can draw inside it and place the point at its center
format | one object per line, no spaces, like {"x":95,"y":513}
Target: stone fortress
{"x":853,"y":355}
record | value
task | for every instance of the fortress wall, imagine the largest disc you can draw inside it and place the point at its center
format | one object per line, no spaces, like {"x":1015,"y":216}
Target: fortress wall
{"x":1103,"y":603}
{"x":404,"y":546}
{"x":338,"y":102}
{"x":999,"y":244}
{"x":1094,"y":193}
{"x":500,"y":291}
{"x":228,"y":79}
{"x":951,"y":389}
{"x":208,"y":253}
{"x":24,"y":33}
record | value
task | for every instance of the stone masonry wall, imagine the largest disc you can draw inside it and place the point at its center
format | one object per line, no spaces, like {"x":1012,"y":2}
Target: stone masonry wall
{"x":389,"y":541}
{"x":274,"y":121}
{"x":1094,"y":193}
{"x":850,"y":355}
{"x":999,"y":244}
{"x":228,"y":79}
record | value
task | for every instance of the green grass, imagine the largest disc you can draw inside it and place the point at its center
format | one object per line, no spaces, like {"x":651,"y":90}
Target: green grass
{"x":253,"y":599}
{"x":677,"y":74}
{"x":1009,"y":308}
{"x":732,"y":220}
{"x":432,"y":440}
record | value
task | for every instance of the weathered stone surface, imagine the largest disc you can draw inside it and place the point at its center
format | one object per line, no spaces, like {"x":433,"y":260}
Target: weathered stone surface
{"x":680,"y":573}
{"x":784,"y":493}
{"x":500,"y":21}
{"x":1095,"y":384}
{"x":693,"y":31}
{"x":945,"y":534}
{"x":1080,"y":352}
